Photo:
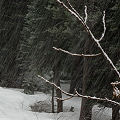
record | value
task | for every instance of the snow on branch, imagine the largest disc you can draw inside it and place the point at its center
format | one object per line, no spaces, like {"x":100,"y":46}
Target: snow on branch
{"x":116,"y":92}
{"x":77,"y":94}
{"x":74,"y":54}
{"x":115,"y":83}
{"x":86,"y":15}
{"x":64,"y":98}
{"x":74,"y":10}
{"x":104,"y":25}
{"x":83,"y":22}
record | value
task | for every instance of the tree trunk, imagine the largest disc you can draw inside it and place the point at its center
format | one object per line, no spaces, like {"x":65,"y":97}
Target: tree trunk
{"x":86,"y":107}
{"x":115,"y":113}
{"x":58,"y":92}
{"x":76,"y":80}
{"x":53,"y":110}
{"x":86,"y":110}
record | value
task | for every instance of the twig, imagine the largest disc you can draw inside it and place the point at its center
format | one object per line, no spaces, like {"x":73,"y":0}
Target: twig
{"x":103,"y":20}
{"x":53,"y":84}
{"x":75,"y":10}
{"x":79,"y":95}
{"x":115,"y":83}
{"x":74,"y":54}
{"x":86,"y":15}
{"x":64,"y":98}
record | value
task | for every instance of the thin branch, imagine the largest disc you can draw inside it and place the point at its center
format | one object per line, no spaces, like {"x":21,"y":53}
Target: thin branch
{"x":79,"y":95}
{"x":115,"y":83}
{"x":72,"y":11}
{"x":86,"y":15}
{"x":74,"y":54}
{"x":64,"y":98}
{"x":99,"y":99}
{"x":53,"y":84}
{"x":75,"y":10}
{"x":77,"y":15}
{"x":104,"y":25}
{"x":93,"y":37}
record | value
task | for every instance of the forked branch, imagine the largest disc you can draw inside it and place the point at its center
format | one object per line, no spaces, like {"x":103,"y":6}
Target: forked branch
{"x":72,"y":10}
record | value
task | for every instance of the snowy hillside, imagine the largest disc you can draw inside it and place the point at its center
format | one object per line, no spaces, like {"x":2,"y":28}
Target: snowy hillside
{"x":15,"y":105}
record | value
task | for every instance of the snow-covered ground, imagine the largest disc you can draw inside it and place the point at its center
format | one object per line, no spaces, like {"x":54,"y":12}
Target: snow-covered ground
{"x":15,"y":105}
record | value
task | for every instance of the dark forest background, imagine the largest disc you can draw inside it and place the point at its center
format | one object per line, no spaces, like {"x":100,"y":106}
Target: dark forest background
{"x":30,"y":28}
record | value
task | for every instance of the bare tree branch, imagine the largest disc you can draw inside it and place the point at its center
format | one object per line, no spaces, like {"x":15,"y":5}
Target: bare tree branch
{"x":86,"y":15}
{"x":53,"y":84}
{"x":75,"y":10}
{"x":64,"y":98}
{"x":104,"y":25}
{"x":99,"y":99}
{"x":78,"y":95}
{"x":74,"y":54}
{"x":92,"y":36}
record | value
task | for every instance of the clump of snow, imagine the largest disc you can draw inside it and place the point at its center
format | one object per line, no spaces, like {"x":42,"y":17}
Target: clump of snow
{"x":15,"y":105}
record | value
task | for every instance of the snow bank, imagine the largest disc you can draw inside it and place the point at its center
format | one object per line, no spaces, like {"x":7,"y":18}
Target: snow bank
{"x":15,"y":105}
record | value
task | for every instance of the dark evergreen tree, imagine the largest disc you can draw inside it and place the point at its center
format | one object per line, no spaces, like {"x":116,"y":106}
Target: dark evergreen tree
{"x":47,"y":25}
{"x":12,"y":15}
